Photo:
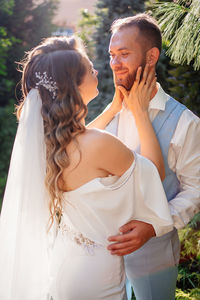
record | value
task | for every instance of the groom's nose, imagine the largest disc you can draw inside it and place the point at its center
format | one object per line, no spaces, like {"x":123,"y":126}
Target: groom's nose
{"x":115,"y":62}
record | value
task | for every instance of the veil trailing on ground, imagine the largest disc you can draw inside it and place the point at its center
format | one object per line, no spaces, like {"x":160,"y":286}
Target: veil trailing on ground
{"x":24,"y":241}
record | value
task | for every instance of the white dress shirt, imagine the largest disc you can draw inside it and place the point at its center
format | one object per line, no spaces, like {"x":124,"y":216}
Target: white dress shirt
{"x":183,"y":155}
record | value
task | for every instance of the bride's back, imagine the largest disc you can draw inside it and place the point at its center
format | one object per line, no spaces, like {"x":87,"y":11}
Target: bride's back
{"x":89,"y":155}
{"x":83,"y":161}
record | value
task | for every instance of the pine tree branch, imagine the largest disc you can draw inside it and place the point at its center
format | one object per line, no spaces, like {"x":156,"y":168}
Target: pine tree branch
{"x":180,"y":24}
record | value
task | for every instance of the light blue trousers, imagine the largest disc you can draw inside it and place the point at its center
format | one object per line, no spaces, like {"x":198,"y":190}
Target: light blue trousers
{"x":152,"y":269}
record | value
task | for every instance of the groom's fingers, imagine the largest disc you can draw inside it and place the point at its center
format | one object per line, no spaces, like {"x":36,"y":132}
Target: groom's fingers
{"x":136,"y":232}
{"x":117,"y":246}
{"x":120,"y":238}
{"x":124,"y":243}
{"x":127,"y":227}
{"x":123,"y":252}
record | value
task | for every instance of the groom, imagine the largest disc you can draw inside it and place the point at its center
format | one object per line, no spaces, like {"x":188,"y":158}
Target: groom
{"x":151,"y":262}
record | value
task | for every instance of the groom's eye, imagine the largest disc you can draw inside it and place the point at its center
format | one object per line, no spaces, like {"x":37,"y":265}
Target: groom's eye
{"x":124,"y":54}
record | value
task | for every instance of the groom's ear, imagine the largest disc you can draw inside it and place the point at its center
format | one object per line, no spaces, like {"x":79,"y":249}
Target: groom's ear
{"x":152,"y":56}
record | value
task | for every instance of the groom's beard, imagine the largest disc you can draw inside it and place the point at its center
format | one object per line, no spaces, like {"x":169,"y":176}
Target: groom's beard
{"x":128,"y":82}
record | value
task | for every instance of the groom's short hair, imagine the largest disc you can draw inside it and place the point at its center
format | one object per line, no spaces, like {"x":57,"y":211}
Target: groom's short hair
{"x":147,"y":26}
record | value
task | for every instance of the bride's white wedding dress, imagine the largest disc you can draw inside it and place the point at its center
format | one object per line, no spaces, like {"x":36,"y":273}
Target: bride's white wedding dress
{"x":82,"y":268}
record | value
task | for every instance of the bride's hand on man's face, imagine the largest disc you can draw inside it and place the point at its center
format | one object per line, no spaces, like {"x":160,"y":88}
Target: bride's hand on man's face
{"x":116,"y":104}
{"x":137,"y":100}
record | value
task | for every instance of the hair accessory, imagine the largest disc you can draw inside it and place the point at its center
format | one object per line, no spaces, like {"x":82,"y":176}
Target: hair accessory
{"x":46,"y":82}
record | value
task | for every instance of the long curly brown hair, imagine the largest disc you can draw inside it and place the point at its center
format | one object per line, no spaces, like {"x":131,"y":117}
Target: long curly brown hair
{"x":61,"y":59}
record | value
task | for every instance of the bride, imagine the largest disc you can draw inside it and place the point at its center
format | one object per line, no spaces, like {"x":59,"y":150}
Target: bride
{"x":69,"y":187}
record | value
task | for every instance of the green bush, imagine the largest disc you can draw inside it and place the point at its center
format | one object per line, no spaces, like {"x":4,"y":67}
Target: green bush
{"x":184,"y":86}
{"x":8,"y":126}
{"x":193,"y":294}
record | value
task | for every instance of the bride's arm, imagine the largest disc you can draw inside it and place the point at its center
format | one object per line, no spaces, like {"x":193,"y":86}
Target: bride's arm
{"x":103,"y":119}
{"x":137,"y":101}
{"x":109,"y":113}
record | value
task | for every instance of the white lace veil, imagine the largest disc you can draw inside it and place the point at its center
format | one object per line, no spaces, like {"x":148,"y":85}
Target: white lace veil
{"x":25,"y":214}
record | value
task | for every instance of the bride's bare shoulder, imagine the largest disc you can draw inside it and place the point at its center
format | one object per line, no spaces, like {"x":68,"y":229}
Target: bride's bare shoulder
{"x":99,"y":139}
{"x":91,"y":139}
{"x":107,"y":151}
{"x":99,"y":135}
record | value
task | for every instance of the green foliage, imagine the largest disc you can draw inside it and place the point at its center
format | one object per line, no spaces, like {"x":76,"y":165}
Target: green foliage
{"x":195,"y":222}
{"x":34,"y":22}
{"x":180,"y":23}
{"x":189,"y":238}
{"x":7,"y":133}
{"x":86,"y":27}
{"x":193,"y":294}
{"x":21,"y":29}
{"x":180,"y":81}
{"x":188,"y":275}
{"x":133,"y":296}
{"x":6,"y":42}
{"x":23,"y":23}
{"x":189,"y":268}
{"x":6,"y":6}
{"x":183,"y":85}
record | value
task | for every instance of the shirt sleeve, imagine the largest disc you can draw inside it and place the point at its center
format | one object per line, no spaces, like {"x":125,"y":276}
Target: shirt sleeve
{"x":184,"y":160}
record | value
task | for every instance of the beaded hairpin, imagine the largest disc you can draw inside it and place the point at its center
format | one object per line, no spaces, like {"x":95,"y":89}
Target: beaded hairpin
{"x":46,"y":82}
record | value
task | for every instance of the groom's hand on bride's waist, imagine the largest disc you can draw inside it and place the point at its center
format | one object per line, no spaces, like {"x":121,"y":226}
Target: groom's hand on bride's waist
{"x":133,"y":235}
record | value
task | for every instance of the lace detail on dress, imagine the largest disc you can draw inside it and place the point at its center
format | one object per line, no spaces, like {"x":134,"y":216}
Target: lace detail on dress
{"x":79,"y":239}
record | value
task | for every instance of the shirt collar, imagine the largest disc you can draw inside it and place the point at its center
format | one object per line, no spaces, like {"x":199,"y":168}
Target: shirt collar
{"x":159,"y":100}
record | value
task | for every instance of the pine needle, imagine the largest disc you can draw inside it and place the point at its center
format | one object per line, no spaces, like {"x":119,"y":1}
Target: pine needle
{"x":180,"y":25}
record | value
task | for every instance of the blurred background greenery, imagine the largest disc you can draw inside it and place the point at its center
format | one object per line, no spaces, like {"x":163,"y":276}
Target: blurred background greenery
{"x":23,"y":23}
